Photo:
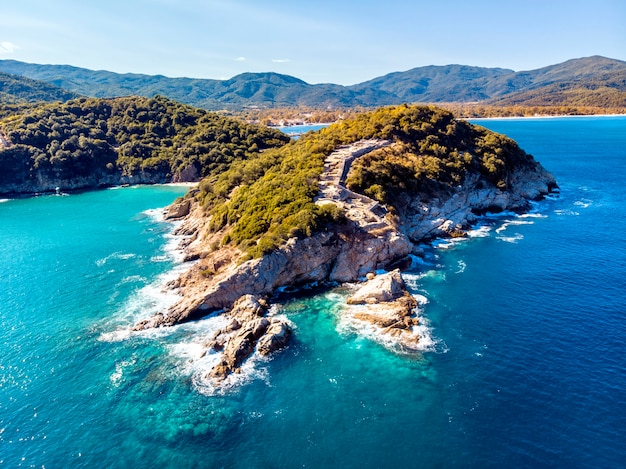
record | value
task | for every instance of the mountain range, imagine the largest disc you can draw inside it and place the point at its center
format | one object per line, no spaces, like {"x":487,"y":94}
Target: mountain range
{"x":590,"y":81}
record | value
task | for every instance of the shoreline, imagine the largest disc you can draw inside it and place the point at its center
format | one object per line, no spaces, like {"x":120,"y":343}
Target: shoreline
{"x":7,"y":196}
{"x":537,"y":116}
{"x":555,"y":116}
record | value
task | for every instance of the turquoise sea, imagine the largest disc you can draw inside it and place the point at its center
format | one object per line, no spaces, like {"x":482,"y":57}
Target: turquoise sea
{"x":525,"y":363}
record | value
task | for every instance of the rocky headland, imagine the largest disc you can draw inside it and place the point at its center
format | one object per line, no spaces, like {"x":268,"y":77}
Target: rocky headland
{"x":367,"y":246}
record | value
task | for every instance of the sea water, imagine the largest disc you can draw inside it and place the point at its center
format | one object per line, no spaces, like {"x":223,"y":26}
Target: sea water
{"x":523,"y":364}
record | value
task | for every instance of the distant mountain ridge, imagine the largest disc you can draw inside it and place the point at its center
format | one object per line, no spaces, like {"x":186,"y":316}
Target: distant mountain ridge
{"x":593,"y":81}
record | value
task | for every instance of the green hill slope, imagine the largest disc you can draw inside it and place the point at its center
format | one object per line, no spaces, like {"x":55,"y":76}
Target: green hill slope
{"x":89,"y":142}
{"x":18,"y":89}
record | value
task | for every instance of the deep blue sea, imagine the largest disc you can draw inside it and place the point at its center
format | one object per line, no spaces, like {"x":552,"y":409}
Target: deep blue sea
{"x":524,"y":363}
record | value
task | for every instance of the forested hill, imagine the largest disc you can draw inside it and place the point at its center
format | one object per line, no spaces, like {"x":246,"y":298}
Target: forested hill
{"x":592,"y":81}
{"x":262,"y":201}
{"x":90,"y":142}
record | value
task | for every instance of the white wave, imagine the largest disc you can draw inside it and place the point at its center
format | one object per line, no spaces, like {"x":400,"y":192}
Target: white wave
{"x":446,"y":243}
{"x":115,"y":256}
{"x":532,"y":215}
{"x":567,"y":212}
{"x":508,"y":223}
{"x":482,"y":231}
{"x":4,"y":200}
{"x":133,"y":279}
{"x":511,"y":239}
{"x":412,"y":279}
{"x":117,"y":376}
{"x":156,"y":214}
{"x":583,"y":203}
{"x":462,"y":265}
{"x":144,"y":303}
{"x":160,"y":259}
{"x":251,"y":370}
{"x":172,"y":247}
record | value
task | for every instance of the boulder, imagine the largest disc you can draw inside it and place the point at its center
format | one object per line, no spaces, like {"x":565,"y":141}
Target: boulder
{"x":247,"y":331}
{"x":382,"y":288}
{"x":276,"y":337}
{"x":178,"y":210}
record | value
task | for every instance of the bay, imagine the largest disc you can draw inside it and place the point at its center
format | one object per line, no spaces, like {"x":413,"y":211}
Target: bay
{"x":526,"y":366}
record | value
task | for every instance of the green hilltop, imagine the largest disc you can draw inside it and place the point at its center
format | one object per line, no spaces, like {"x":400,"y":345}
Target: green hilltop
{"x":261,"y":201}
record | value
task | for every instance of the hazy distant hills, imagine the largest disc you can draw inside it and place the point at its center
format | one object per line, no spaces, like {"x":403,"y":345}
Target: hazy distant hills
{"x":16,"y":89}
{"x":590,"y":81}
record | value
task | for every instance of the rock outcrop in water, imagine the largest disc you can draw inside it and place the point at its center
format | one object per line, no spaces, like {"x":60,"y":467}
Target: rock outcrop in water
{"x":248,"y":330}
{"x":384,"y":304}
{"x":406,"y":188}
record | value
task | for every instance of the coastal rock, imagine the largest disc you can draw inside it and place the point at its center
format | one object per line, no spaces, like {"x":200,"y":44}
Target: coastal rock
{"x":178,"y":210}
{"x":384,"y":306}
{"x":369,"y":238}
{"x":450,"y":213}
{"x":381,"y":288}
{"x":217,"y":281}
{"x":276,"y":337}
{"x":249,"y":330}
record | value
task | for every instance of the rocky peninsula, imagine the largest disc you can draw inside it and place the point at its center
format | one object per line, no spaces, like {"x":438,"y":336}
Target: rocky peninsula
{"x":374,"y":227}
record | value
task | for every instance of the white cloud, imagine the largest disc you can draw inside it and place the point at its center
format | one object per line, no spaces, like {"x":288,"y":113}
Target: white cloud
{"x":280,"y":61}
{"x":240,"y":59}
{"x":7,"y":47}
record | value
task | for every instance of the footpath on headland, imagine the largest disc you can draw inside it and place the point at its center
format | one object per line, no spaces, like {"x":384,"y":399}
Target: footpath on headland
{"x":367,"y":212}
{"x":4,"y":142}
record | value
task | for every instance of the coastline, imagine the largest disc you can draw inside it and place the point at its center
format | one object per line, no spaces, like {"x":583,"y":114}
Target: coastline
{"x":6,"y":196}
{"x":556,"y":116}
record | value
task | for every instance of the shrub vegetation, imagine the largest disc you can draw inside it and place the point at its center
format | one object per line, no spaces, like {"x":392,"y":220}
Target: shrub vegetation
{"x":264,"y":200}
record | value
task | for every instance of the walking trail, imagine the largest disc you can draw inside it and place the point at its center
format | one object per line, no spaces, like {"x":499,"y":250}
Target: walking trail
{"x":367,"y":212}
{"x":3,"y":140}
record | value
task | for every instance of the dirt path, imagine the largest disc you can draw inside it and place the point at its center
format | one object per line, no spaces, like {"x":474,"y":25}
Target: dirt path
{"x":3,"y":140}
{"x":368,"y":213}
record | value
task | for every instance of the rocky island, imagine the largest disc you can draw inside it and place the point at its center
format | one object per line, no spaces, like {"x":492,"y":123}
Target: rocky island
{"x":345,"y":204}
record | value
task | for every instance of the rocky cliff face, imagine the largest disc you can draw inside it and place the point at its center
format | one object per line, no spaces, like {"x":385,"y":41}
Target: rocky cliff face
{"x":342,"y":255}
{"x":46,"y":183}
{"x":452,"y":212}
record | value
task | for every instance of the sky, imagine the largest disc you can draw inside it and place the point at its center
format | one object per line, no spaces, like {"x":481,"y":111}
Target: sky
{"x":325,"y":41}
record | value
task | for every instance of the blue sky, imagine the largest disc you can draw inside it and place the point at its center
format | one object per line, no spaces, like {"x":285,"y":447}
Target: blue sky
{"x":324,"y":41}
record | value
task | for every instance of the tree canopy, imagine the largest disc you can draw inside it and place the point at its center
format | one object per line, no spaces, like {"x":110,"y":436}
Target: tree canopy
{"x":161,"y":139}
